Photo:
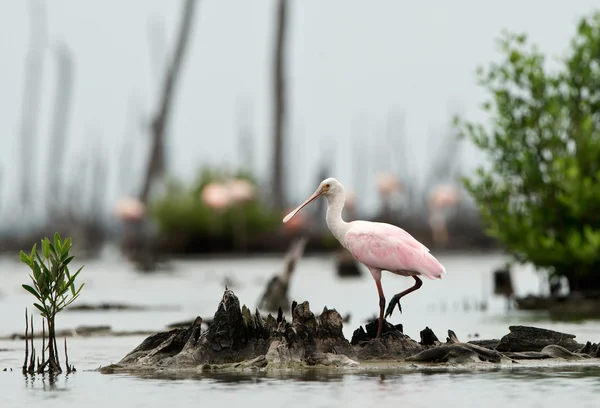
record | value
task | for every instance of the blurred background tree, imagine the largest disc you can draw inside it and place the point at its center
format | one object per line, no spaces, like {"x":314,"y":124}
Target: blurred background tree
{"x":541,"y":195}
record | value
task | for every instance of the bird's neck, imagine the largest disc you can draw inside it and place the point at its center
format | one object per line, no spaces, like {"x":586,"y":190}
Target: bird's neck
{"x":335,"y":223}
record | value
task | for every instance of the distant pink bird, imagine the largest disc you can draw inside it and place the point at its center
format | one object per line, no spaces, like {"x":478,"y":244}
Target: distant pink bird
{"x":378,"y":246}
{"x":216,"y":195}
{"x":130,"y":209}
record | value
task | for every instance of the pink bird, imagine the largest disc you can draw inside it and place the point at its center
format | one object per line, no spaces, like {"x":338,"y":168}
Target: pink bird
{"x":378,"y":246}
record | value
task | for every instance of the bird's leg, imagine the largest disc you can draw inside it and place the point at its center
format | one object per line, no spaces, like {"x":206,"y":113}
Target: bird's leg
{"x":396,"y":299}
{"x":381,"y":307}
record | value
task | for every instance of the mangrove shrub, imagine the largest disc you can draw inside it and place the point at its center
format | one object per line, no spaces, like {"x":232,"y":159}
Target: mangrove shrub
{"x":540,"y":196}
{"x":53,"y":287}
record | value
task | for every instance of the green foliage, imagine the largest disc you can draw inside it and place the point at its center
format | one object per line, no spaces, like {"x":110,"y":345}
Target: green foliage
{"x":53,"y":285}
{"x":541,"y":196}
{"x":180,"y":210}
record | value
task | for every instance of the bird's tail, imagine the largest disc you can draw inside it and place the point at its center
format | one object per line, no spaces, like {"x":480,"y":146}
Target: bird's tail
{"x":433,"y":268}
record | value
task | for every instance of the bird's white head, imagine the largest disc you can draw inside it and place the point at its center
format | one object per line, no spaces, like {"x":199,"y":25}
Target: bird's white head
{"x":329,"y":188}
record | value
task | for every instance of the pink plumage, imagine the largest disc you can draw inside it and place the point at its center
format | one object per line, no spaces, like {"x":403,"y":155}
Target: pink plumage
{"x":390,"y":248}
{"x":378,"y":246}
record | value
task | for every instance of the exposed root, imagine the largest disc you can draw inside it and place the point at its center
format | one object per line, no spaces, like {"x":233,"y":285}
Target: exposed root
{"x":276,"y":292}
{"x":33,"y":364}
{"x":26,"y":343}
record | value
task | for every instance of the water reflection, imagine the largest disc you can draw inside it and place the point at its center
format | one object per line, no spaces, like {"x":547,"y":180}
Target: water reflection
{"x":382,"y":377}
{"x":307,"y":375}
{"x":318,"y":387}
{"x":47,"y":381}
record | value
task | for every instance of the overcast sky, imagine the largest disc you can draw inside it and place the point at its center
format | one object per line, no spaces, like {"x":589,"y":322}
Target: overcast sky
{"x":350,"y":63}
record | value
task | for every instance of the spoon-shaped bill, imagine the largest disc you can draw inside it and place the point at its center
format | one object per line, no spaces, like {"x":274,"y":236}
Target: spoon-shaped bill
{"x":313,"y":197}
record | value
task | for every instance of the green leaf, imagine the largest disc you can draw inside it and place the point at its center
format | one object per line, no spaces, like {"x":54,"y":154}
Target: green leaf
{"x":32,"y":291}
{"x":36,"y":271}
{"x":66,"y":247}
{"x":70,"y":301}
{"x":39,"y":259}
{"x":71,"y":281}
{"x":41,"y":309}
{"x":46,"y":248}
{"x":24,"y":258}
{"x":57,"y":243}
{"x":68,"y":260}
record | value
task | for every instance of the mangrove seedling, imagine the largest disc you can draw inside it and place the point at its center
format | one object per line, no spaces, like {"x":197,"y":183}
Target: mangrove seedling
{"x":54,"y":289}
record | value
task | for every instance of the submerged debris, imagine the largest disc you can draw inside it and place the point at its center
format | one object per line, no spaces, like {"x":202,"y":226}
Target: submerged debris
{"x":240,"y":339}
{"x":86,"y":307}
{"x":524,"y":338}
{"x":81,"y":331}
{"x":456,"y":352}
{"x":275,"y":295}
{"x":593,"y":350}
{"x":346,"y":265}
{"x":428,"y":337}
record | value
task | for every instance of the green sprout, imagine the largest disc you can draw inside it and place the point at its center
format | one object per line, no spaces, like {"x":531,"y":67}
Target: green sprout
{"x":53,"y":287}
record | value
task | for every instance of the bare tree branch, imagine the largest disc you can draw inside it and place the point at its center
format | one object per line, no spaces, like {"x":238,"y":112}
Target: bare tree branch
{"x":156,"y":162}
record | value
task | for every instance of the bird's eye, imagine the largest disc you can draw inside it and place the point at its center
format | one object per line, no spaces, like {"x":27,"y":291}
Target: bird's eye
{"x":327,"y":185}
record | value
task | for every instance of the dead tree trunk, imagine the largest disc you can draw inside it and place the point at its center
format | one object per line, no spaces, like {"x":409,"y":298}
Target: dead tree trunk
{"x":279,"y":114}
{"x":156,"y":162}
{"x":64,"y":90}
{"x":125,"y":169}
{"x":31,"y":102}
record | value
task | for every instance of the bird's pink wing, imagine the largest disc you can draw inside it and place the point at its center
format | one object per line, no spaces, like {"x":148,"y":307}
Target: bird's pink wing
{"x":406,"y":238}
{"x":392,"y":249}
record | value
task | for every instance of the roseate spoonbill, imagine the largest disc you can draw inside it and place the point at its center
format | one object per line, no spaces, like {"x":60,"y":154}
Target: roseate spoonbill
{"x":445,"y":195}
{"x":220,"y":195}
{"x":130,"y":209}
{"x":388,"y":184}
{"x":216,"y":195}
{"x":442,"y":199}
{"x":378,"y":246}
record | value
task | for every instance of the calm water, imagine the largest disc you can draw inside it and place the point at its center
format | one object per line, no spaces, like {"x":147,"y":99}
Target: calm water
{"x":194,"y":288}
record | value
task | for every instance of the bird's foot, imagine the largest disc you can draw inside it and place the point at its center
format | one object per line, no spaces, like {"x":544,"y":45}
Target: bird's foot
{"x":390,"y":309}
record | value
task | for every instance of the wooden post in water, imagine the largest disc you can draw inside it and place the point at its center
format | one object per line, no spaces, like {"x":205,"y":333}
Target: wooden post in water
{"x":503,"y":285}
